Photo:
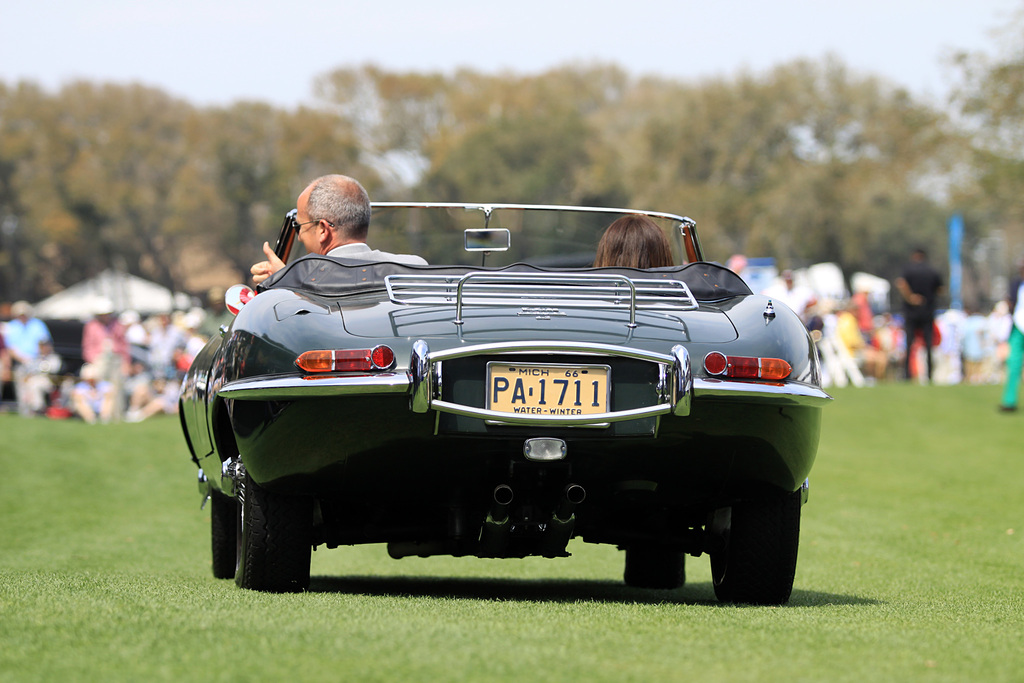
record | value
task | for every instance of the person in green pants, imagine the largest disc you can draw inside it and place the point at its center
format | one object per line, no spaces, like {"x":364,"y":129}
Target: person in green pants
{"x":1015,"y":361}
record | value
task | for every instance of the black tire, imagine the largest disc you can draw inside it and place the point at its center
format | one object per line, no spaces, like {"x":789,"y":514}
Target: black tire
{"x":653,"y":566}
{"x":757,"y":561}
{"x":275,"y":540}
{"x":225,"y":517}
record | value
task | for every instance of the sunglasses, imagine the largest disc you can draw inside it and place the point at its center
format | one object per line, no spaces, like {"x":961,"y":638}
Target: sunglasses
{"x":291,"y":221}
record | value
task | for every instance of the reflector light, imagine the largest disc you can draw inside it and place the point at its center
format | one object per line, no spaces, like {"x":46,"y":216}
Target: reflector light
{"x":746,"y":367}
{"x":715,"y":363}
{"x":346,"y":360}
{"x":382,"y":356}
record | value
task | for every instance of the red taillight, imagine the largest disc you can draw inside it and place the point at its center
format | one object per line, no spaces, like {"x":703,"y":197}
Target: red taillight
{"x":346,"y":360}
{"x":746,"y":367}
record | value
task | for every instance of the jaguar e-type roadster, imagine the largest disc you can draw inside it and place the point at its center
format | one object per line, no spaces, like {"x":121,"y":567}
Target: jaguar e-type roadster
{"x":504,"y":400}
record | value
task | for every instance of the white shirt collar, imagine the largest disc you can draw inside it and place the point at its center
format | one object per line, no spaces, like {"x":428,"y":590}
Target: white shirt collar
{"x":350,"y":249}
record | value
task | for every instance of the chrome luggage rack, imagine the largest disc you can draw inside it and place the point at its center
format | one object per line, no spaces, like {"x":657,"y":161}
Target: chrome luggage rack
{"x":557,"y":290}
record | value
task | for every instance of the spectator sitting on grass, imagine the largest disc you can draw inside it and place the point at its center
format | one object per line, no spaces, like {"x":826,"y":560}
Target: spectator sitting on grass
{"x":92,"y":399}
{"x":35,"y":380}
{"x":160,"y":397}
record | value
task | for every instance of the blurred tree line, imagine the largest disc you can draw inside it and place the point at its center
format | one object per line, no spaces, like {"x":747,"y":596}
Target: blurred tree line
{"x":808,"y":162}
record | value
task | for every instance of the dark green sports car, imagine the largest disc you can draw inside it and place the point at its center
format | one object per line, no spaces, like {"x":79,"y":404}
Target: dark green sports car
{"x":504,"y":400}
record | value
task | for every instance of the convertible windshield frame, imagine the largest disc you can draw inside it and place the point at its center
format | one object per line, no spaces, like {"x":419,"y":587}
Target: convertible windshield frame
{"x":684,"y":230}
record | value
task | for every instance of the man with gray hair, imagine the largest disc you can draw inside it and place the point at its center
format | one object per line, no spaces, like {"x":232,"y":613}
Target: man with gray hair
{"x":333,"y":218}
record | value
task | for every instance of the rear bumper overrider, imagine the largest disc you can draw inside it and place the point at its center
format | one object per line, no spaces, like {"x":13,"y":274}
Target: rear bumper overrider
{"x":675,"y":381}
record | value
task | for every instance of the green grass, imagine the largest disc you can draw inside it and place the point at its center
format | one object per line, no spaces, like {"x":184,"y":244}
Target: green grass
{"x":911,"y":568}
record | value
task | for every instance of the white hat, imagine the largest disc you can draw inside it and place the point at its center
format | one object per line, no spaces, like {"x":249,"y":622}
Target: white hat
{"x":193,"y":319}
{"x":129,"y":317}
{"x":104,"y":306}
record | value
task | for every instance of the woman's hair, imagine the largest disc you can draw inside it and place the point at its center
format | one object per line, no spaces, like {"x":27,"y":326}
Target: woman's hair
{"x":634,"y":242}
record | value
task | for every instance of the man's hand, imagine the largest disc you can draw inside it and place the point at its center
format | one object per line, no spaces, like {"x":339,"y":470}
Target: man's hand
{"x":909,"y":295}
{"x":264,"y":269}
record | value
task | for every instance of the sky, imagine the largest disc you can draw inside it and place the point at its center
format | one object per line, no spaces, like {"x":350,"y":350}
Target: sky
{"x":215,"y":52}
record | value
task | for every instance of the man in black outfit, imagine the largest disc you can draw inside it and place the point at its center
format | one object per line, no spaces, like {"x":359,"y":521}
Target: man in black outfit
{"x":920,"y":285}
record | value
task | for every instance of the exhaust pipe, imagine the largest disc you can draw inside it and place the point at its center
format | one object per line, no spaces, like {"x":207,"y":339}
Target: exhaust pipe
{"x":574,"y":495}
{"x":503,"y":496}
{"x":497,"y":526}
{"x":562,"y":522}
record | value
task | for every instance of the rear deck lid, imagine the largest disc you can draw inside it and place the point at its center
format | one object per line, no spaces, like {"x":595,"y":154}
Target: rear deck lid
{"x":551,"y":323}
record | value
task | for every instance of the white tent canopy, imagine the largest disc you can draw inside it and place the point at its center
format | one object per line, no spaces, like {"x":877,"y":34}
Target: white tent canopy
{"x":121,"y":290}
{"x":826,"y":279}
{"x":875,"y":287}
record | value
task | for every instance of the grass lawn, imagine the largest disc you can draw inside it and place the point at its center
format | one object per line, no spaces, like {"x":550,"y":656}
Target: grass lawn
{"x":911,"y":568}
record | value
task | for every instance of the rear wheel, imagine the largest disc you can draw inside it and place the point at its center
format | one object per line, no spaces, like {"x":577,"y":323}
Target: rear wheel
{"x":757,"y":561}
{"x":225,"y":516}
{"x":275,"y":540}
{"x":654,"y":566}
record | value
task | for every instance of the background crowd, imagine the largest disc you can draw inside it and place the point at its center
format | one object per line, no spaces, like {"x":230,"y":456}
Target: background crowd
{"x":133,"y":366}
{"x":862,"y":340}
{"x":861,"y":346}
{"x":127,"y":367}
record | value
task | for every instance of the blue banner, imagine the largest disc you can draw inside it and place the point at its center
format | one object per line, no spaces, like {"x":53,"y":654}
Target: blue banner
{"x":956,"y":239}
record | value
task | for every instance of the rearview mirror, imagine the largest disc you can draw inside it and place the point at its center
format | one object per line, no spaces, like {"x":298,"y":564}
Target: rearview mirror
{"x":490,"y":239}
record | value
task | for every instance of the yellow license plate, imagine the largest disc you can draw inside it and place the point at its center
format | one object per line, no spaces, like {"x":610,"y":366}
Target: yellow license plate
{"x":547,"y":389}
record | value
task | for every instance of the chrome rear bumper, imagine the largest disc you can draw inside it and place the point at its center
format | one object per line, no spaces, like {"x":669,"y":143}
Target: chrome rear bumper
{"x":676,"y":387}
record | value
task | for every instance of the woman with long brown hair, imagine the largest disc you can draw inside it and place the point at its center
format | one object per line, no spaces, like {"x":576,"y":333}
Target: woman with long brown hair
{"x":634,"y":242}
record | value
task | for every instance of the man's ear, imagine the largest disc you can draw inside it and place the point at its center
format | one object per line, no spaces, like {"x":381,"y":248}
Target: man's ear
{"x":323,"y":233}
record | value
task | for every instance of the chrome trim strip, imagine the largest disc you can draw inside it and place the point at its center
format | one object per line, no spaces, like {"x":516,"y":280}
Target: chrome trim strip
{"x":551,"y":420}
{"x":790,"y":393}
{"x":580,"y":348}
{"x":293,"y":387}
{"x":487,"y":209}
